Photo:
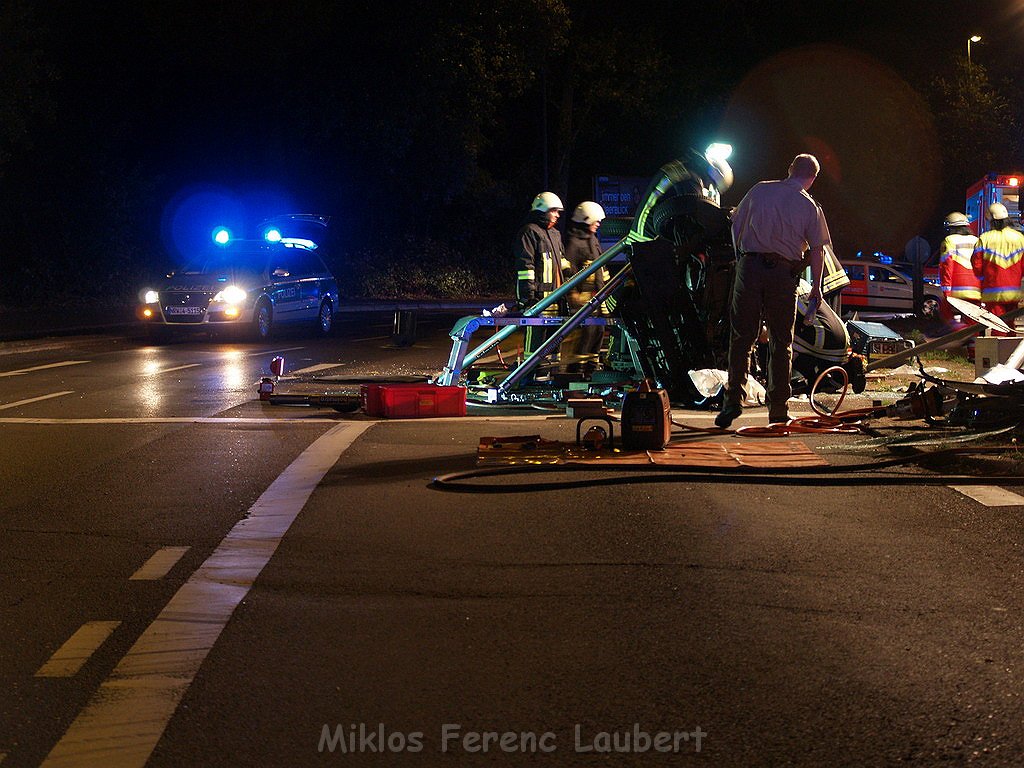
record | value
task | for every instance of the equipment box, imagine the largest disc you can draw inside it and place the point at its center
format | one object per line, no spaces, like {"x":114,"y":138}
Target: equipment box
{"x":413,"y":401}
{"x":874,"y":340}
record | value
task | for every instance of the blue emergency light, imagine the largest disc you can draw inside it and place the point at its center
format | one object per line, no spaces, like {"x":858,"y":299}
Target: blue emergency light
{"x":221,"y":235}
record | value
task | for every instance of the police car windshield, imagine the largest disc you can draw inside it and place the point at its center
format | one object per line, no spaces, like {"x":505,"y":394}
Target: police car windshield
{"x":227,"y":260}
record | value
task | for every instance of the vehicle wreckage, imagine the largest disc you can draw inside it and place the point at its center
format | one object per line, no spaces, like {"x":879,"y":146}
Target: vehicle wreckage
{"x":671,"y":282}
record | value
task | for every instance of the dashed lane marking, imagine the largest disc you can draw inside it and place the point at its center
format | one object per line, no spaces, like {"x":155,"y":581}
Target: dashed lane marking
{"x":125,"y":718}
{"x":177,"y":368}
{"x":273,"y":351}
{"x":317,"y":367}
{"x":990,"y":495}
{"x":22,"y":371}
{"x":160,"y":564}
{"x":36,"y":399}
{"x":71,"y":656}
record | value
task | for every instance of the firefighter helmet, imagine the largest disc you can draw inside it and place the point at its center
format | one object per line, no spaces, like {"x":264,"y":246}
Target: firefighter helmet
{"x":546,"y":201}
{"x":957,"y":219}
{"x":998,"y":212}
{"x":588,"y":212}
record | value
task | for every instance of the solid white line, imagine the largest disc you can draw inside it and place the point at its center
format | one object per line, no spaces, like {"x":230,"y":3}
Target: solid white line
{"x":167,"y":420}
{"x":179,"y":368}
{"x":281,"y":420}
{"x":990,"y":496}
{"x":70,"y":657}
{"x":372,"y":338}
{"x":317,"y":367}
{"x":36,"y":399}
{"x":22,"y":371}
{"x":159,"y":564}
{"x":127,"y":715}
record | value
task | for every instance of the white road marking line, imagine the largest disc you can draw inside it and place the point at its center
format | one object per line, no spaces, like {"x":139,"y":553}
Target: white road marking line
{"x":36,"y":399}
{"x":24,"y":348}
{"x":273,"y":351}
{"x":990,"y":496}
{"x":127,"y":715}
{"x":178,"y":368}
{"x":317,"y":367}
{"x":281,"y":420}
{"x":168,"y":420}
{"x":372,"y":338}
{"x":22,"y":371}
{"x":159,"y":564}
{"x":70,"y":657}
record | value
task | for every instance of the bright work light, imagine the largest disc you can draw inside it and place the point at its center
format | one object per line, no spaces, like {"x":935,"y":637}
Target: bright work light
{"x":718,"y":151}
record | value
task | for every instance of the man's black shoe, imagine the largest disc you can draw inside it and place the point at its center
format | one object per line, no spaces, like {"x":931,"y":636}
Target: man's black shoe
{"x":728,"y":415}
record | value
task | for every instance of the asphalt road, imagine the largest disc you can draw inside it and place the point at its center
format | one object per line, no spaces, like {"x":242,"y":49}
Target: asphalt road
{"x":193,"y":577}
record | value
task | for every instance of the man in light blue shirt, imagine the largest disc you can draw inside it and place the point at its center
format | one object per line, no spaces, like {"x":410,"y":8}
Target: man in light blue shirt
{"x":772,"y":227}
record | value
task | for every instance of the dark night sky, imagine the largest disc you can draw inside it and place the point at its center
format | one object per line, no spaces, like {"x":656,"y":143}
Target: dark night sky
{"x":320,"y":106}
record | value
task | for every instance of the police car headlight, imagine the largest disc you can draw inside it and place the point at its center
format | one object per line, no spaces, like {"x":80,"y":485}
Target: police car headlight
{"x":230,"y":295}
{"x":151,"y":297}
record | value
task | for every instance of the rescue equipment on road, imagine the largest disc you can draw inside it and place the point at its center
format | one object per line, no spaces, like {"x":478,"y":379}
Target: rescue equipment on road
{"x":646,"y":419}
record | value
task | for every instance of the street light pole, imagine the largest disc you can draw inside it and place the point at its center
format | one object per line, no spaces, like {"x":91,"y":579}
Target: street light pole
{"x":971,"y":39}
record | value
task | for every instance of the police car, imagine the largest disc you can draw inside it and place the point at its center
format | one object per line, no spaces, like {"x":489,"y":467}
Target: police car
{"x":250,"y":285}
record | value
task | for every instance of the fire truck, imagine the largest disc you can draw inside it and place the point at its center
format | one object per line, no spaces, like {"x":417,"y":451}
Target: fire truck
{"x":993,"y":188}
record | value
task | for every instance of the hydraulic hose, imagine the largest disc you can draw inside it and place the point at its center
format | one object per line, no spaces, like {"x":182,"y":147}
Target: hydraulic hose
{"x":831,"y":422}
{"x":804,"y":476}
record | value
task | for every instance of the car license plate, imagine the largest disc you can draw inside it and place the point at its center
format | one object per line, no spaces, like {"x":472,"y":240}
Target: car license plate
{"x":185,"y":310}
{"x":885,"y":348}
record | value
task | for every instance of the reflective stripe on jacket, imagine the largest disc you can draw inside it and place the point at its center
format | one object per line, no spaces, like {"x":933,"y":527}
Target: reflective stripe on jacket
{"x":539,"y":260}
{"x":956,"y":273}
{"x":998,"y":260}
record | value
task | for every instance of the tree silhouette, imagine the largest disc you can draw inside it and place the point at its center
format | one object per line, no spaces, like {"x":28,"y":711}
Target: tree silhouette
{"x":978,"y":126}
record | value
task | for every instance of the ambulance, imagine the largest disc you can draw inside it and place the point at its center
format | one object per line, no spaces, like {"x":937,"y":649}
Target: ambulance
{"x":993,"y":188}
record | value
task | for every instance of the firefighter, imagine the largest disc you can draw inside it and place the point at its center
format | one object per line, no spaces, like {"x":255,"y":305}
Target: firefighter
{"x":582,"y":348}
{"x":998,"y":260}
{"x":540,"y":259}
{"x":956,"y":272}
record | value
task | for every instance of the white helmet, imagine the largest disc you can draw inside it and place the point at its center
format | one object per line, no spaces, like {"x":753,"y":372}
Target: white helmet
{"x":998,"y":212}
{"x":588,"y":212}
{"x":546,"y":201}
{"x":957,"y":219}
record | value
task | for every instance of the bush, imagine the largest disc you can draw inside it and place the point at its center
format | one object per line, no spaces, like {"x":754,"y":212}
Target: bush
{"x":423,"y":269}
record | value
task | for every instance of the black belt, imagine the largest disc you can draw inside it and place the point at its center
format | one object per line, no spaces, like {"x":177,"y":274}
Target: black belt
{"x":771,"y":260}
